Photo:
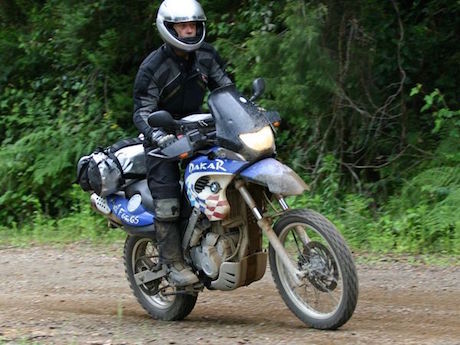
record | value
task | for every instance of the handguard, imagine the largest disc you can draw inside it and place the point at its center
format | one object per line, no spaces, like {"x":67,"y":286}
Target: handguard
{"x":180,"y":149}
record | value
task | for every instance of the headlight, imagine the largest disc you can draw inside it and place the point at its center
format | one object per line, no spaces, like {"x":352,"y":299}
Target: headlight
{"x":259,"y":141}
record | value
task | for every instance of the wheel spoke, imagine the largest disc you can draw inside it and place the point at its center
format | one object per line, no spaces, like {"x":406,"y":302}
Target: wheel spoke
{"x":146,"y":257}
{"x":297,"y":244}
{"x":323,"y":277}
{"x":145,"y":261}
{"x":326,"y":276}
{"x":317,"y":297}
{"x":329,"y":293}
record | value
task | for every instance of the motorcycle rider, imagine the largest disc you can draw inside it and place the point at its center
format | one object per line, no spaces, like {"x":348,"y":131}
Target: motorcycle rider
{"x":174,"y":78}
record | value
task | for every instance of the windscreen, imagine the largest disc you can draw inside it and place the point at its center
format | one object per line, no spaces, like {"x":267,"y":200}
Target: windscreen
{"x":234,"y":114}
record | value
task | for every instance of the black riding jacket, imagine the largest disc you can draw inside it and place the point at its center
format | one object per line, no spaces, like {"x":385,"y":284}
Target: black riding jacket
{"x":168,"y":82}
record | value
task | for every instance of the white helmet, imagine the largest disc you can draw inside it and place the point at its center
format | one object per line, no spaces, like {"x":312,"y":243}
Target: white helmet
{"x":180,"y":11}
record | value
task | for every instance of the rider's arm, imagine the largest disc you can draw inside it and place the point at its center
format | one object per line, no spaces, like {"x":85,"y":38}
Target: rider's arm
{"x":146,"y":96}
{"x":217,"y":75}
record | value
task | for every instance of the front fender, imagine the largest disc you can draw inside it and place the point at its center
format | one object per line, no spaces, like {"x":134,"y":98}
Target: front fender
{"x":279,"y":178}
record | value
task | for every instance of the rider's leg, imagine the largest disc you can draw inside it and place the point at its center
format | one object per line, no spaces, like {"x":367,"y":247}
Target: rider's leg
{"x":163,"y":181}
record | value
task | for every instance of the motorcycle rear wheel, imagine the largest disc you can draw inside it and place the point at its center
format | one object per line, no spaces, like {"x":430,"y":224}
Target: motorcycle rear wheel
{"x":327,"y":295}
{"x":141,"y":253}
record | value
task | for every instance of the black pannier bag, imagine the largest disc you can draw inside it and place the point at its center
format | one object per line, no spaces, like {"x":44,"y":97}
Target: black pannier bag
{"x":105,"y":171}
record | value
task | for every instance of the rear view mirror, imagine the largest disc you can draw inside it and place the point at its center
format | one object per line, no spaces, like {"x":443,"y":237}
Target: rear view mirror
{"x":258,"y":88}
{"x":161,"y":119}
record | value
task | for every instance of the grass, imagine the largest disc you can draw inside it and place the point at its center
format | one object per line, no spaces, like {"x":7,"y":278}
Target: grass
{"x":21,"y":341}
{"x":439,"y":259}
{"x":84,"y":226}
{"x":89,"y":227}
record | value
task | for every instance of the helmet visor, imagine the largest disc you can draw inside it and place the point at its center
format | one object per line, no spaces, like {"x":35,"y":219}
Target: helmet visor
{"x":200,"y":27}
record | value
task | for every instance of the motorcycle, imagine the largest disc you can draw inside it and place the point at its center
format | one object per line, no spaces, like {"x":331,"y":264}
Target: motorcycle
{"x":234,"y":191}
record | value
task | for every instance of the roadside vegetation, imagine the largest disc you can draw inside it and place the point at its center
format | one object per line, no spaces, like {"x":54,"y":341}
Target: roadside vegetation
{"x":368,"y":92}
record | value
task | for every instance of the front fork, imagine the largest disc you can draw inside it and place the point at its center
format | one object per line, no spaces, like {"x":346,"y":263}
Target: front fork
{"x":298,"y":229}
{"x":266,"y":227}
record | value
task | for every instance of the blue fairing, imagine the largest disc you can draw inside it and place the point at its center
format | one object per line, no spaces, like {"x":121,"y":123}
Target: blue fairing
{"x":138,"y":218}
{"x":279,"y":178}
{"x":203,"y":164}
{"x":267,"y":165}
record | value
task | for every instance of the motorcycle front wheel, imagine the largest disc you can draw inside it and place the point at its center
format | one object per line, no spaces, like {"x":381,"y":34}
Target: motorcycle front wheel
{"x":327,"y":295}
{"x":158,"y":298}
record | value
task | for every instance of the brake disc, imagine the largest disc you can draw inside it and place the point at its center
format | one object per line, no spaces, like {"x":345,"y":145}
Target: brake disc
{"x":321,"y":266}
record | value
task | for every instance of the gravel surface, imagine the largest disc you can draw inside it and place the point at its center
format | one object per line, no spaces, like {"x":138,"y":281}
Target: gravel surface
{"x":78,"y":294}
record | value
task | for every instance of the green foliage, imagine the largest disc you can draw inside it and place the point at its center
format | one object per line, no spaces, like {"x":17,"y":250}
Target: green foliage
{"x":60,"y":98}
{"x":422,"y":216}
{"x":426,"y":211}
{"x":444,"y":117}
{"x":82,"y":224}
{"x":43,"y":141}
{"x":368,"y":92}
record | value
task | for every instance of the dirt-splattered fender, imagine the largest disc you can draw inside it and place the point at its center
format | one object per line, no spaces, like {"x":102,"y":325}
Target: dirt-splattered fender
{"x":279,"y":178}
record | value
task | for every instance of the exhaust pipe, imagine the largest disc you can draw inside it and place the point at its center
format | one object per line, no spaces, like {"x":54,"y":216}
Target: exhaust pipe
{"x":99,"y":204}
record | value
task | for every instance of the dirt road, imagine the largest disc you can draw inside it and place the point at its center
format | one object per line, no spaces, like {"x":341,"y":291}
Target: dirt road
{"x":78,"y":295}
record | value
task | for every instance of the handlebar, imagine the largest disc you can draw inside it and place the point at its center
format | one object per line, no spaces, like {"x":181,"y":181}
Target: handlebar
{"x":196,"y":132}
{"x":186,"y":145}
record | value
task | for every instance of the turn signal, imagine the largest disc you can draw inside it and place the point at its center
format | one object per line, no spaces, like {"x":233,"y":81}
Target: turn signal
{"x":183,"y":155}
{"x":276,"y":124}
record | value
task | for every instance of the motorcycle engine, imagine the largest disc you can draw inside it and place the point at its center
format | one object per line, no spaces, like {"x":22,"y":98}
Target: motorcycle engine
{"x":213,"y":251}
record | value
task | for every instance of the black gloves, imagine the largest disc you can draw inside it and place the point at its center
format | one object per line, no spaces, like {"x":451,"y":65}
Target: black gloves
{"x":162,"y":139}
{"x":166,"y":140}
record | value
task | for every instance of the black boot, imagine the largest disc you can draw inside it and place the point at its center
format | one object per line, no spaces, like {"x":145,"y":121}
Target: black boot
{"x":169,"y":249}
